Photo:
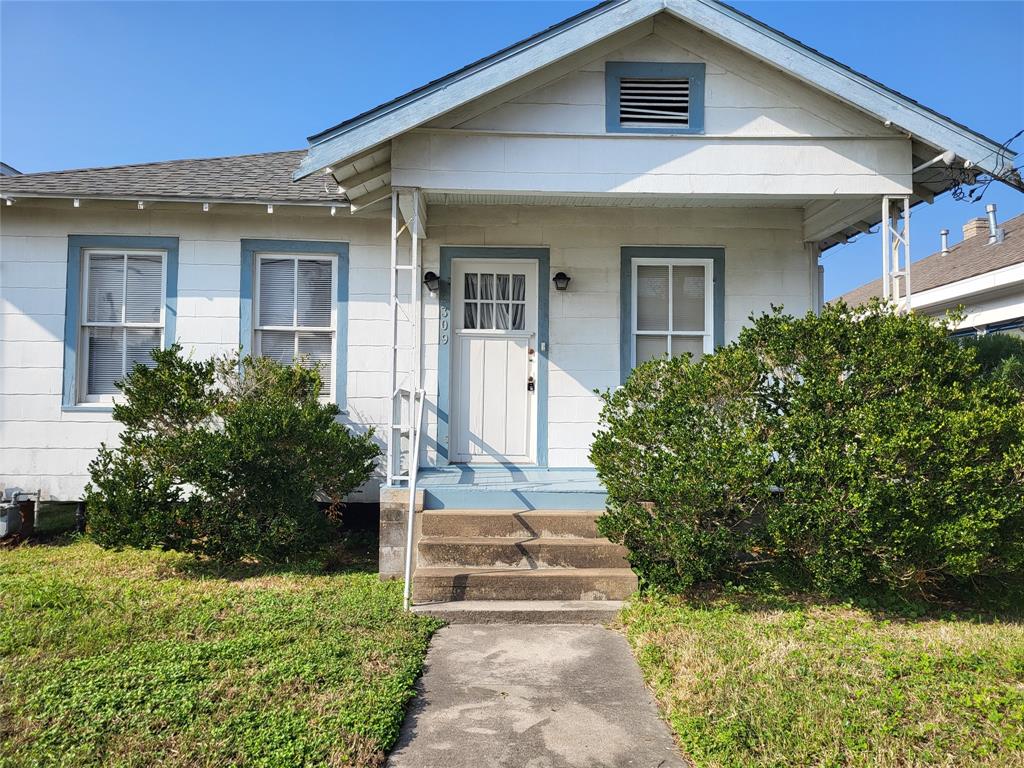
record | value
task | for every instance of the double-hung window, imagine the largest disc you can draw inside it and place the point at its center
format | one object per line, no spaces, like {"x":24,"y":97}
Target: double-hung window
{"x":295,"y":312}
{"x":672,"y":307}
{"x":122,"y":317}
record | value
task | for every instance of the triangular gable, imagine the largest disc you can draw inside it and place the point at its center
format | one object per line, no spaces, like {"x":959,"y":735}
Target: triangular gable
{"x":360,"y":134}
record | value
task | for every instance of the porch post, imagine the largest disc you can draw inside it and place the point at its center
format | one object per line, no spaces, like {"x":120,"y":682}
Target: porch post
{"x":896,"y":251}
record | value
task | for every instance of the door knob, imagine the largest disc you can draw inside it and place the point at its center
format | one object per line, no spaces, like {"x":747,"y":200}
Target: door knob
{"x":530,"y":384}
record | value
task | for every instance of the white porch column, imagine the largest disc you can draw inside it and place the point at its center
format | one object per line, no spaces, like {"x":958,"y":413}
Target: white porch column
{"x":896,"y":251}
{"x":408,"y":214}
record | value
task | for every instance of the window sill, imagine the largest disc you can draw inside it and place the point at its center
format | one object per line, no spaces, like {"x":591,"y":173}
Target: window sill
{"x":88,"y":408}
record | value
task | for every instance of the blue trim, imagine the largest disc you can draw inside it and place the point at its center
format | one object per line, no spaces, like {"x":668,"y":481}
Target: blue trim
{"x":444,"y":368}
{"x":73,"y":301}
{"x":246,"y":291}
{"x":630,"y":252}
{"x":614,"y":71}
{"x":513,"y":487}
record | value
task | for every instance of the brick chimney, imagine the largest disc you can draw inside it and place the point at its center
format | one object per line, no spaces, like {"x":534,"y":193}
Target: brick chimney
{"x":978,"y":226}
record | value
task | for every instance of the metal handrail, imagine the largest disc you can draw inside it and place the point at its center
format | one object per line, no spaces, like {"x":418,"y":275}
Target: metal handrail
{"x":416,"y":410}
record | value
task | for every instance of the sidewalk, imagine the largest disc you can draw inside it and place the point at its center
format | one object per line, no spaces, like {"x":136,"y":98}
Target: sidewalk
{"x":528,"y":696}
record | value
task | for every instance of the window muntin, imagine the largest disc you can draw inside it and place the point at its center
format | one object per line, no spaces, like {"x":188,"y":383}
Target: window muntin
{"x":123,"y":295}
{"x":295,"y":311}
{"x":672,"y":308}
{"x":494,"y":301}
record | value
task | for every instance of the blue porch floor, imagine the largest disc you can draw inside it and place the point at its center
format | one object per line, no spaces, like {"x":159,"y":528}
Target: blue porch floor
{"x":505,"y":486}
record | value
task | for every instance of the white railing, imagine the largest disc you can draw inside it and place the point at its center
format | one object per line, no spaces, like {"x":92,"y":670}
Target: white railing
{"x":407,"y":394}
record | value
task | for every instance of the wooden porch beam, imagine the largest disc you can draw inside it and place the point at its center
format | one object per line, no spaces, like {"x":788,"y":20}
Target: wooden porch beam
{"x":370,"y":198}
{"x":351,"y":182}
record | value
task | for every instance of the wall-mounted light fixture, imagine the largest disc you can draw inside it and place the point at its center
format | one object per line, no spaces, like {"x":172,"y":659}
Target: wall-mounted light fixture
{"x":561,"y":281}
{"x":432,"y":281}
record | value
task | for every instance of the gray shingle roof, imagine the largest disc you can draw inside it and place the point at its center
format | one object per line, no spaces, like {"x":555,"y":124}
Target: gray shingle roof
{"x":265,"y":177}
{"x":972,"y":257}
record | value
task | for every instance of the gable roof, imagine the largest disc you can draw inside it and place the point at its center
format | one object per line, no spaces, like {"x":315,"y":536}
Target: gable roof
{"x":265,"y":177}
{"x":970,"y":258}
{"x":359,"y":134}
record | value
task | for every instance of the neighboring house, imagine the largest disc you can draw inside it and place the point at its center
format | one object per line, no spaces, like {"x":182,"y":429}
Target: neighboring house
{"x":488,"y":250}
{"x":6,"y":170}
{"x":984,"y":275}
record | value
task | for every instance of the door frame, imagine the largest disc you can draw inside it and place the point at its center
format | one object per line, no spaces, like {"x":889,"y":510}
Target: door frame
{"x":444,"y":347}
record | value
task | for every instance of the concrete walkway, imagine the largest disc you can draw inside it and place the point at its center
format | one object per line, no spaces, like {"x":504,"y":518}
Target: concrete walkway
{"x":527,"y":696}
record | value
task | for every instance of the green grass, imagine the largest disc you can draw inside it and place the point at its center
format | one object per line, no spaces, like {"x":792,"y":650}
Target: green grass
{"x":152,"y":658}
{"x":748,"y":682}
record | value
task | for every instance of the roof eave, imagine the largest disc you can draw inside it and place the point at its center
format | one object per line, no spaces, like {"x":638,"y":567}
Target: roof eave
{"x":14,"y":195}
{"x":416,"y":108}
{"x":722,"y":21}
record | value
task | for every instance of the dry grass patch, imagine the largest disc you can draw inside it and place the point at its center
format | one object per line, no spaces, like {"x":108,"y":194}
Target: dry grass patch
{"x":152,"y":658}
{"x":791,"y":684}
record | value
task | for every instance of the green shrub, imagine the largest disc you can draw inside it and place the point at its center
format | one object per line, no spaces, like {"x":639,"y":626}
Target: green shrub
{"x":1000,"y":355}
{"x":684,"y":458}
{"x":898,"y":463}
{"x":225,"y":458}
{"x":901,"y":465}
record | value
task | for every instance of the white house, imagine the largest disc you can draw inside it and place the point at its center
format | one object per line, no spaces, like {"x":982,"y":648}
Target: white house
{"x":681,"y":164}
{"x":983,"y":275}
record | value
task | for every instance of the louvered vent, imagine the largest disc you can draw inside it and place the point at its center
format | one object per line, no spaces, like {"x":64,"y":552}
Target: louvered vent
{"x":654,"y":102}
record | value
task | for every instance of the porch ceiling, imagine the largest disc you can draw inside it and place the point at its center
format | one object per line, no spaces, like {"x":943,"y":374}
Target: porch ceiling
{"x":611,"y":201}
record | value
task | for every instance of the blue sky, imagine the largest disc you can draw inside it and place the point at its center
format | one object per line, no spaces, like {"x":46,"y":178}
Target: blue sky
{"x":88,"y":84}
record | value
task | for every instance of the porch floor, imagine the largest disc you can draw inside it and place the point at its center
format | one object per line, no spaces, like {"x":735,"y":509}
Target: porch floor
{"x":505,"y":486}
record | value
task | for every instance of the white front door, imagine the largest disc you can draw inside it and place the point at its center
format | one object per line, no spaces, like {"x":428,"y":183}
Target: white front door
{"x":494,"y":388}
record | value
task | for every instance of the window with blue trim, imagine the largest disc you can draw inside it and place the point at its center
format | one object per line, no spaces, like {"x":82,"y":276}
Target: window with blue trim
{"x":294,"y":297}
{"x":121,"y":305}
{"x":295,"y":318}
{"x":654,"y":97}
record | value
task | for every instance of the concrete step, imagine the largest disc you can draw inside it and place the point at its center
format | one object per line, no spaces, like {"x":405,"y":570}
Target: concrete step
{"x":519,"y":552}
{"x":535,"y":523}
{"x":523,"y":611}
{"x":442,"y":584}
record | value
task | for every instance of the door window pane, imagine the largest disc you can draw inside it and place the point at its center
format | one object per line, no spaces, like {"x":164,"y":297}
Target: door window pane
{"x":470,"y":286}
{"x":469,"y":316}
{"x":487,"y":287}
{"x":501,"y":315}
{"x":519,"y":287}
{"x":649,"y":347}
{"x":652,"y":287}
{"x":486,"y":316}
{"x":688,"y":298}
{"x":502,"y":285}
{"x":518,"y":317}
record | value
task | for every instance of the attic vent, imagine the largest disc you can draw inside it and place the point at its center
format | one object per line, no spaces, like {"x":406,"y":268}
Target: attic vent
{"x":654,"y":102}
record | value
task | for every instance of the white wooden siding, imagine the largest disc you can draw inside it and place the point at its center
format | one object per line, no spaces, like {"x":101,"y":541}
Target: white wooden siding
{"x":743,"y":97}
{"x":765,"y":263}
{"x":765,"y":134}
{"x":43,"y":447}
